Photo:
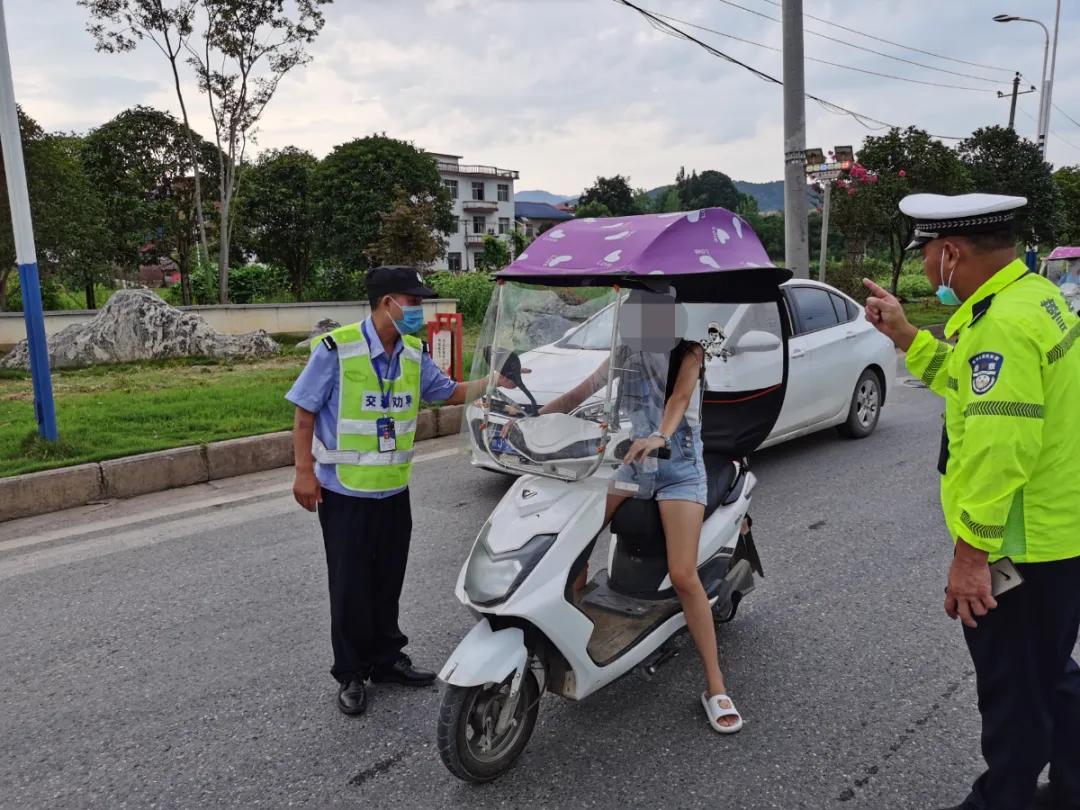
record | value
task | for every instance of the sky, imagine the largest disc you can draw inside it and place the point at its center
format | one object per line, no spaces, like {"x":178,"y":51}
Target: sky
{"x":565,"y":90}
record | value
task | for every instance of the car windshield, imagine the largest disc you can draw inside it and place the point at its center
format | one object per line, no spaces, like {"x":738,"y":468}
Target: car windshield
{"x":594,"y":334}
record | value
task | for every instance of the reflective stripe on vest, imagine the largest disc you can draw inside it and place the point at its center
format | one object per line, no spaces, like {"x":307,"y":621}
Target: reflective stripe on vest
{"x":360,"y":465}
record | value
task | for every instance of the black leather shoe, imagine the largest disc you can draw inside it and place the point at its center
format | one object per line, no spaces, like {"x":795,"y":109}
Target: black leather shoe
{"x":352,"y":697}
{"x":402,"y":671}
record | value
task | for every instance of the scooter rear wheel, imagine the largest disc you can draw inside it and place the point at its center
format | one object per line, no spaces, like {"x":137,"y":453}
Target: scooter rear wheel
{"x":470,"y":744}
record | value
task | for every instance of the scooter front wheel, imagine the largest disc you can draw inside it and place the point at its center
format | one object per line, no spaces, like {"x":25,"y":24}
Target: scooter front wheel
{"x":483,"y":729}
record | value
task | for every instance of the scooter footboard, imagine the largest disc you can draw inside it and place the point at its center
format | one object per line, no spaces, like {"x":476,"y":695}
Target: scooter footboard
{"x":486,"y":656}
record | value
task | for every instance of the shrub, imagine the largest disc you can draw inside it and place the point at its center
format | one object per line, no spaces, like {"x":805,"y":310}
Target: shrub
{"x":472,"y":291}
{"x":256,"y":281}
{"x":914,"y":286}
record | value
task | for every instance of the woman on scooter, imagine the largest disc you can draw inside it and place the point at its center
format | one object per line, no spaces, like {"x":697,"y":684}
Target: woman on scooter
{"x":659,"y":367}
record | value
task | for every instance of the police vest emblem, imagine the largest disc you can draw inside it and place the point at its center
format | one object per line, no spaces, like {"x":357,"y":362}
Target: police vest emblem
{"x":985,"y":369}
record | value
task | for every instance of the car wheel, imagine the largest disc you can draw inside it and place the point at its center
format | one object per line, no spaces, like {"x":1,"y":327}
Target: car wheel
{"x":865,"y":407}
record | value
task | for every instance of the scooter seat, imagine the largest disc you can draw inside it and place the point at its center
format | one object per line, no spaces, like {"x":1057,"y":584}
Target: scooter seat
{"x":637,"y":521}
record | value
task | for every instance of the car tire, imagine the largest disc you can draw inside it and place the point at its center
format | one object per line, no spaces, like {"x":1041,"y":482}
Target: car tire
{"x":865,"y":408}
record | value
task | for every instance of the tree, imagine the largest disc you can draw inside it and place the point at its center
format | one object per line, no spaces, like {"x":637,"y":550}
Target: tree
{"x":1001,"y":162}
{"x":1067,"y":180}
{"x":494,"y":256}
{"x":140,"y":162}
{"x":408,"y":233}
{"x":67,"y":214}
{"x":277,"y":210}
{"x":669,"y":202}
{"x":592,"y":210}
{"x":710,"y":189}
{"x":118,"y":26}
{"x":247,"y":47}
{"x":613,"y":192}
{"x":643,"y":201}
{"x":904,"y":162}
{"x":357,"y":182}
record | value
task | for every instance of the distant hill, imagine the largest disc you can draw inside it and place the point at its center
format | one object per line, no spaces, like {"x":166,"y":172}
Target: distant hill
{"x":541,"y":197}
{"x":769,"y":196}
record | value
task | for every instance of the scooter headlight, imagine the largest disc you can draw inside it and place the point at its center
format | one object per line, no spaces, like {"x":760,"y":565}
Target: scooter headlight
{"x":492,"y":578}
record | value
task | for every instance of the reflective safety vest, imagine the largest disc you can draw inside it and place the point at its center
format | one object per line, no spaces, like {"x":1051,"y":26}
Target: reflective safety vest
{"x":1010,"y":455}
{"x":362,"y":401}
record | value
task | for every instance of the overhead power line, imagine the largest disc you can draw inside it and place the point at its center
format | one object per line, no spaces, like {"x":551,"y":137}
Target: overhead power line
{"x":824,"y":61}
{"x":667,"y":28}
{"x":1055,"y":134}
{"x":1072,"y":120}
{"x":895,"y":44}
{"x":844,"y":42}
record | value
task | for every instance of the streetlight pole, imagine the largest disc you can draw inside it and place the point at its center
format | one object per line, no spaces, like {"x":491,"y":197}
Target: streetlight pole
{"x":1044,"y":101}
{"x":796,"y":243}
{"x":1050,"y":82}
{"x":25,"y":252}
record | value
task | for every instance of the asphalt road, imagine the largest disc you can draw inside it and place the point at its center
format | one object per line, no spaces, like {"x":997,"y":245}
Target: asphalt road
{"x":173,"y":651}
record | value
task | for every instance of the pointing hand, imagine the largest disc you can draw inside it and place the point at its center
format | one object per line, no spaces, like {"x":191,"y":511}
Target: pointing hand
{"x":886,"y":313}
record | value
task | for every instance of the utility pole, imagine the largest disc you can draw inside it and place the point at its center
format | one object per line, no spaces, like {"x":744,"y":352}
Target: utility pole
{"x":796,"y":243}
{"x":823,"y":260}
{"x":1016,"y":91}
{"x":25,"y":252}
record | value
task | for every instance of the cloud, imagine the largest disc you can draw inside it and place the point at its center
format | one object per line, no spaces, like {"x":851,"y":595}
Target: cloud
{"x":564,"y":90}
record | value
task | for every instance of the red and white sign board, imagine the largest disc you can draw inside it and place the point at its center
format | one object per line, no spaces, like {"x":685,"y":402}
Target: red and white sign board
{"x":444,"y":343}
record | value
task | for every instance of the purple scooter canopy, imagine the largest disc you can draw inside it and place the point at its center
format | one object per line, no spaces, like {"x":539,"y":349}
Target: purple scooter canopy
{"x":708,"y":255}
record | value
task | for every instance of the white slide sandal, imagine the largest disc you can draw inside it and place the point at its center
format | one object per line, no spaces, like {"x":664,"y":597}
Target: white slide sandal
{"x":716,"y":713}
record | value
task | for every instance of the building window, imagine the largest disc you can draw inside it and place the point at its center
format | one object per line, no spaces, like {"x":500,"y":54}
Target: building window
{"x":504,"y":192}
{"x":504,"y":225}
{"x":451,"y":186}
{"x":453,"y":262}
{"x":479,"y":224}
{"x":478,"y":189}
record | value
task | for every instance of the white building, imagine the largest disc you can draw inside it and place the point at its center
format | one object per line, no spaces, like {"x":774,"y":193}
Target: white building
{"x":483,"y":203}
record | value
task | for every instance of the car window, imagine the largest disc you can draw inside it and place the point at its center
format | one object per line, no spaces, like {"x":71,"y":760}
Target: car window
{"x":814,"y":308}
{"x":845,"y":310}
{"x":595,"y":333}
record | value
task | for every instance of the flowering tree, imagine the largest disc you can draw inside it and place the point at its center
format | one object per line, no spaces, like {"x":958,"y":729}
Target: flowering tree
{"x":859,"y":212}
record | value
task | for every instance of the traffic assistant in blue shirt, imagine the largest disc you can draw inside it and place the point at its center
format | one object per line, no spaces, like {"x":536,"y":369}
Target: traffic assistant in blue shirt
{"x":357,"y":403}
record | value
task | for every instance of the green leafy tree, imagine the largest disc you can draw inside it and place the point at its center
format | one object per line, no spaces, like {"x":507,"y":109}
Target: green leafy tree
{"x":140,"y":162}
{"x":408,"y":233}
{"x":592,"y":210}
{"x":709,"y":189}
{"x":643,"y":201}
{"x":68,"y":216}
{"x":669,"y":202}
{"x":246,"y":48}
{"x":494,"y":256}
{"x":1001,"y":162}
{"x":614,"y":193}
{"x":904,"y":162}
{"x":357,"y":182}
{"x":1067,"y":180}
{"x":277,"y":212}
{"x":120,"y":26}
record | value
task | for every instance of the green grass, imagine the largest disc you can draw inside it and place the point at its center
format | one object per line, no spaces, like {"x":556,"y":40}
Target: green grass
{"x":111,"y":411}
{"x":106,"y":412}
{"x":927,"y":312}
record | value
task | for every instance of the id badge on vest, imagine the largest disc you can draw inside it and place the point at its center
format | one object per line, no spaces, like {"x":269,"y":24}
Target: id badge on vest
{"x":387,"y":434}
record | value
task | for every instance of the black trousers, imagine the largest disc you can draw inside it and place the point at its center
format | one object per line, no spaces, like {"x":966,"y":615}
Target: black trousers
{"x":1029,"y":689}
{"x":367,"y":547}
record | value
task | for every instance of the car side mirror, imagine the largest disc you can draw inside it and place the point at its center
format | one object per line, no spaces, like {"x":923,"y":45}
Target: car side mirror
{"x":757,"y":341}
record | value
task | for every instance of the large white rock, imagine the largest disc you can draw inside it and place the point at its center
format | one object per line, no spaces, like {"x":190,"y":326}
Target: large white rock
{"x":139,"y":325}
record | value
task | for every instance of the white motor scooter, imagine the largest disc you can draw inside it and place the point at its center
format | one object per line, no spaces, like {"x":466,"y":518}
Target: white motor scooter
{"x":534,"y":633}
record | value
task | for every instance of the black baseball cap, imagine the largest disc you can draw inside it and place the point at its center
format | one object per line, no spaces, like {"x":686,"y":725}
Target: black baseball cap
{"x":397,"y":279}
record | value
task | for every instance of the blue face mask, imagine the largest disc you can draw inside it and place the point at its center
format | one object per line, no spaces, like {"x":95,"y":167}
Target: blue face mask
{"x":412,"y":319}
{"x":945,"y":293}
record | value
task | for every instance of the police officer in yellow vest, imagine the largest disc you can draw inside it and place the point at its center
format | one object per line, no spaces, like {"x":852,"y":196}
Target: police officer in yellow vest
{"x":357,"y":402}
{"x":1010,"y":486}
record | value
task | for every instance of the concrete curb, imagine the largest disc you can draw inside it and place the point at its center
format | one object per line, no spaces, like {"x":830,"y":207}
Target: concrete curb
{"x":67,"y":487}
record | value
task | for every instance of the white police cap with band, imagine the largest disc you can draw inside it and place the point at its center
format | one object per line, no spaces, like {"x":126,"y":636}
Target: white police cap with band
{"x":939,"y":215}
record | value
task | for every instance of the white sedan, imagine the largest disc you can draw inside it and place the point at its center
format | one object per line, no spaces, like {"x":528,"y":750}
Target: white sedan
{"x":840,"y":373}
